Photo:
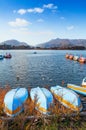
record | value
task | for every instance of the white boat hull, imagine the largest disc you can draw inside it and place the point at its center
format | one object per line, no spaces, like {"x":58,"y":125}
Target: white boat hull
{"x":78,"y":89}
{"x":67,"y":97}
{"x":42,"y":98}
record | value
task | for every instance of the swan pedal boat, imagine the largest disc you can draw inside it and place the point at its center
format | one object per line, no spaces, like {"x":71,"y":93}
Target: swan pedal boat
{"x":71,"y":57}
{"x":8,"y":56}
{"x":67,"y":56}
{"x":14,"y":101}
{"x":75,"y":58}
{"x":67,"y":97}
{"x":78,"y":89}
{"x":82,"y":60}
{"x":84,"y":82}
{"x":42,"y":98}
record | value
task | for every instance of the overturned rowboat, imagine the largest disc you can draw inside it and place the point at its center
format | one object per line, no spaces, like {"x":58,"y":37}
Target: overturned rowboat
{"x":42,"y":98}
{"x":67,"y":97}
{"x":78,"y":89}
{"x":14,"y":101}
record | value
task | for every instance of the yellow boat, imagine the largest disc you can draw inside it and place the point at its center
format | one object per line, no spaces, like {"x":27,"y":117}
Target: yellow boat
{"x":78,"y":89}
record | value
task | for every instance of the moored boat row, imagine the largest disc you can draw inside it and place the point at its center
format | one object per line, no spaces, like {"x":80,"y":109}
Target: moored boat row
{"x":76,"y":58}
{"x":7,"y":56}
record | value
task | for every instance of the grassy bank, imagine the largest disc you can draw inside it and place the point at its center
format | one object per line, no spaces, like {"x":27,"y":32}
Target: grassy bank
{"x":31,"y":119}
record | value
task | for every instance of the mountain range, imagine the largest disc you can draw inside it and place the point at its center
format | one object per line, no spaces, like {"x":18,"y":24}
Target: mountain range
{"x":52,"y":44}
{"x":63,"y":43}
{"x":13,"y":43}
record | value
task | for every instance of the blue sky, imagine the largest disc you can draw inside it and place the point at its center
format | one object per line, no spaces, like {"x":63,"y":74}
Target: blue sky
{"x":38,"y":21}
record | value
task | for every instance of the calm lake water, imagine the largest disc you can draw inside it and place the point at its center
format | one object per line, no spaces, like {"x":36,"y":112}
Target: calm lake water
{"x":46,"y":68}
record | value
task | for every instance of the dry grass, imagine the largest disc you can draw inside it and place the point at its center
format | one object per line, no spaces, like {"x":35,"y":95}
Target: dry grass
{"x":3,"y":91}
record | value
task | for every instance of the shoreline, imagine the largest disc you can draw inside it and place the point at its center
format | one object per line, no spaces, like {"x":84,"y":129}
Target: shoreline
{"x":28,"y":107}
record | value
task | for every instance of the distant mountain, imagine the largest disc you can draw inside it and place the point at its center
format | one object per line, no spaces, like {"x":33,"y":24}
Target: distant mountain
{"x":63,"y":43}
{"x":14,"y":43}
{"x":77,"y":44}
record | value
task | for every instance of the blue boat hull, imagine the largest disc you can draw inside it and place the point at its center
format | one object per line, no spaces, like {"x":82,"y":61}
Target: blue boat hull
{"x":42,"y":98}
{"x":1,"y":57}
{"x":14,"y":100}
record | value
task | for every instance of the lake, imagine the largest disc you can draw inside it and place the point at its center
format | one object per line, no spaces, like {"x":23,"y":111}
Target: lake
{"x":46,"y":68}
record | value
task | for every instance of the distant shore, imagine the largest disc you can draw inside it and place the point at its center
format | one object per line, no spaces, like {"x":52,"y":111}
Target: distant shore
{"x":26,"y":48}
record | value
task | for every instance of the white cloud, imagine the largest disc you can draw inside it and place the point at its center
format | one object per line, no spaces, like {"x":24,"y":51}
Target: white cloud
{"x":70,"y":27}
{"x":19,"y":23}
{"x":40,"y":20}
{"x":31,"y":10}
{"x":22,"y":11}
{"x":35,"y":10}
{"x":50,"y":6}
